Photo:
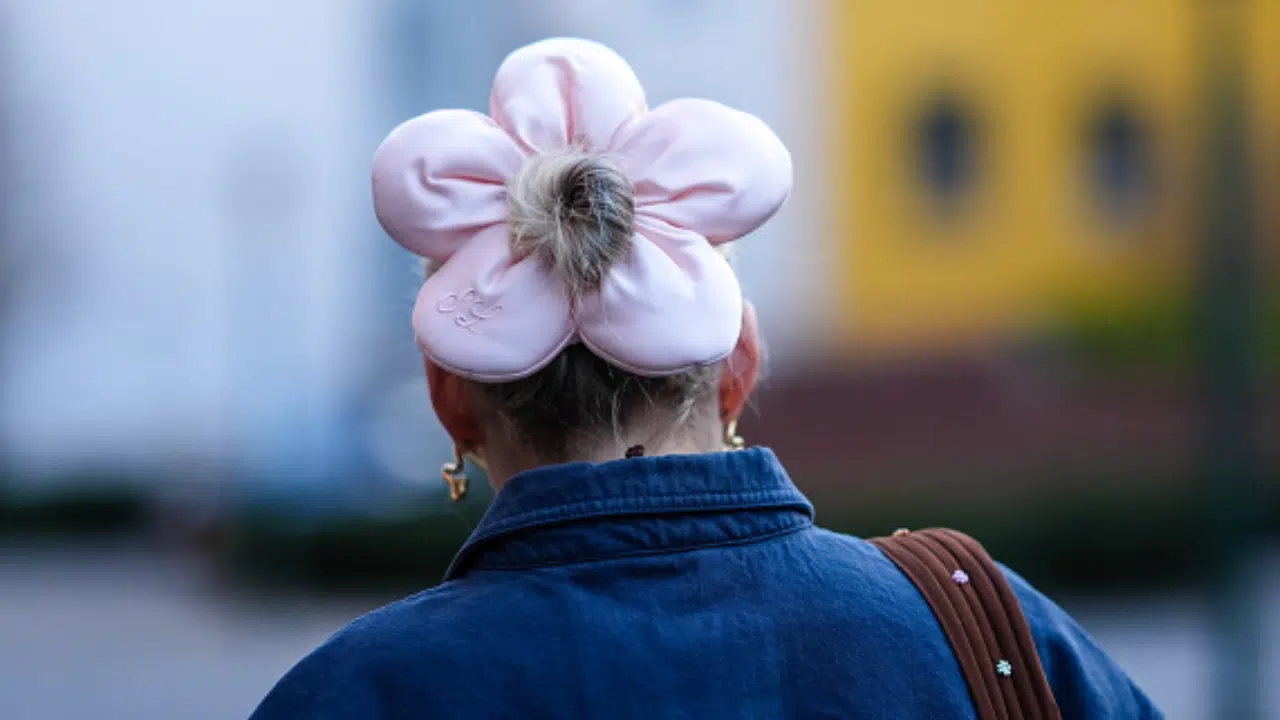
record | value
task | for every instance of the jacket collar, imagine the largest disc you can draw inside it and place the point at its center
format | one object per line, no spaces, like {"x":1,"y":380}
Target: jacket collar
{"x":585,"y":511}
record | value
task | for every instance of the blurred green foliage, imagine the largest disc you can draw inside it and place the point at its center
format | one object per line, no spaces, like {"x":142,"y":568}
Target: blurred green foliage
{"x":103,"y":508}
{"x":345,"y":554}
{"x":1155,"y":335}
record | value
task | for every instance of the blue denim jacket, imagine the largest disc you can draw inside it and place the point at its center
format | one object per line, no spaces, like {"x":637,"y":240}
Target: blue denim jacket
{"x":670,"y":587}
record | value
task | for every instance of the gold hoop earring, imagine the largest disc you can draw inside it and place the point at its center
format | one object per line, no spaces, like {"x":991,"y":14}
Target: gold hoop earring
{"x":454,"y":477}
{"x":732,"y":439}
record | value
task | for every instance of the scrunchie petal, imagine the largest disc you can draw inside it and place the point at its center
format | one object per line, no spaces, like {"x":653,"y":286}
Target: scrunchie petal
{"x":490,"y":318}
{"x":672,"y":305}
{"x":441,"y":177}
{"x":564,"y":91}
{"x":705,"y":167}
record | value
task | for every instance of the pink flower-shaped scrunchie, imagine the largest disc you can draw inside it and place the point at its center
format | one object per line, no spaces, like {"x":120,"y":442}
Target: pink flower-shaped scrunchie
{"x":702,"y":174}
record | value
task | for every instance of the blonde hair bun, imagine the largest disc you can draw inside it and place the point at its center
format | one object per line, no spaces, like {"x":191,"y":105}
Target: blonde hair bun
{"x":575,"y":213}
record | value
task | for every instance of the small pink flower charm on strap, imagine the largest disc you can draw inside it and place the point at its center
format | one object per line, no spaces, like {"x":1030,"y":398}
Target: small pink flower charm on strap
{"x":960,"y":577}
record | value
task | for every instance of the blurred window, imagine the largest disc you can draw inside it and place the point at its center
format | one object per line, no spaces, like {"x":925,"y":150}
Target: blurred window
{"x":1119,"y":160}
{"x":946,"y":139}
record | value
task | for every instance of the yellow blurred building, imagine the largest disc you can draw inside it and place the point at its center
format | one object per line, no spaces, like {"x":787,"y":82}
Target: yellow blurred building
{"x":994,"y":161}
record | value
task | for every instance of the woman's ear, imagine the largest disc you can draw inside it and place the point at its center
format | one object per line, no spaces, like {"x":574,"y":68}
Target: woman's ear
{"x":451,"y":399}
{"x":741,"y":368}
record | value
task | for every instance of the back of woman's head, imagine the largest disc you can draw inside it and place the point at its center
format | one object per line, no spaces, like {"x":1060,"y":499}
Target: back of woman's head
{"x":577,"y":284}
{"x":574,"y":213}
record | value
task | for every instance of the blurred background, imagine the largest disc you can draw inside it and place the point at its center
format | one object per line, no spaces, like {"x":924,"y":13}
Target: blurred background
{"x":1025,"y":287}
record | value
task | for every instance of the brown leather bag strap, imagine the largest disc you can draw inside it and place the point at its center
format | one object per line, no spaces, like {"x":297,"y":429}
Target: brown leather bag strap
{"x":982,"y":619}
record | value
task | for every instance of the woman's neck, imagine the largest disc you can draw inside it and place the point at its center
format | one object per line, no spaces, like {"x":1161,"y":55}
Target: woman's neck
{"x":504,"y":461}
